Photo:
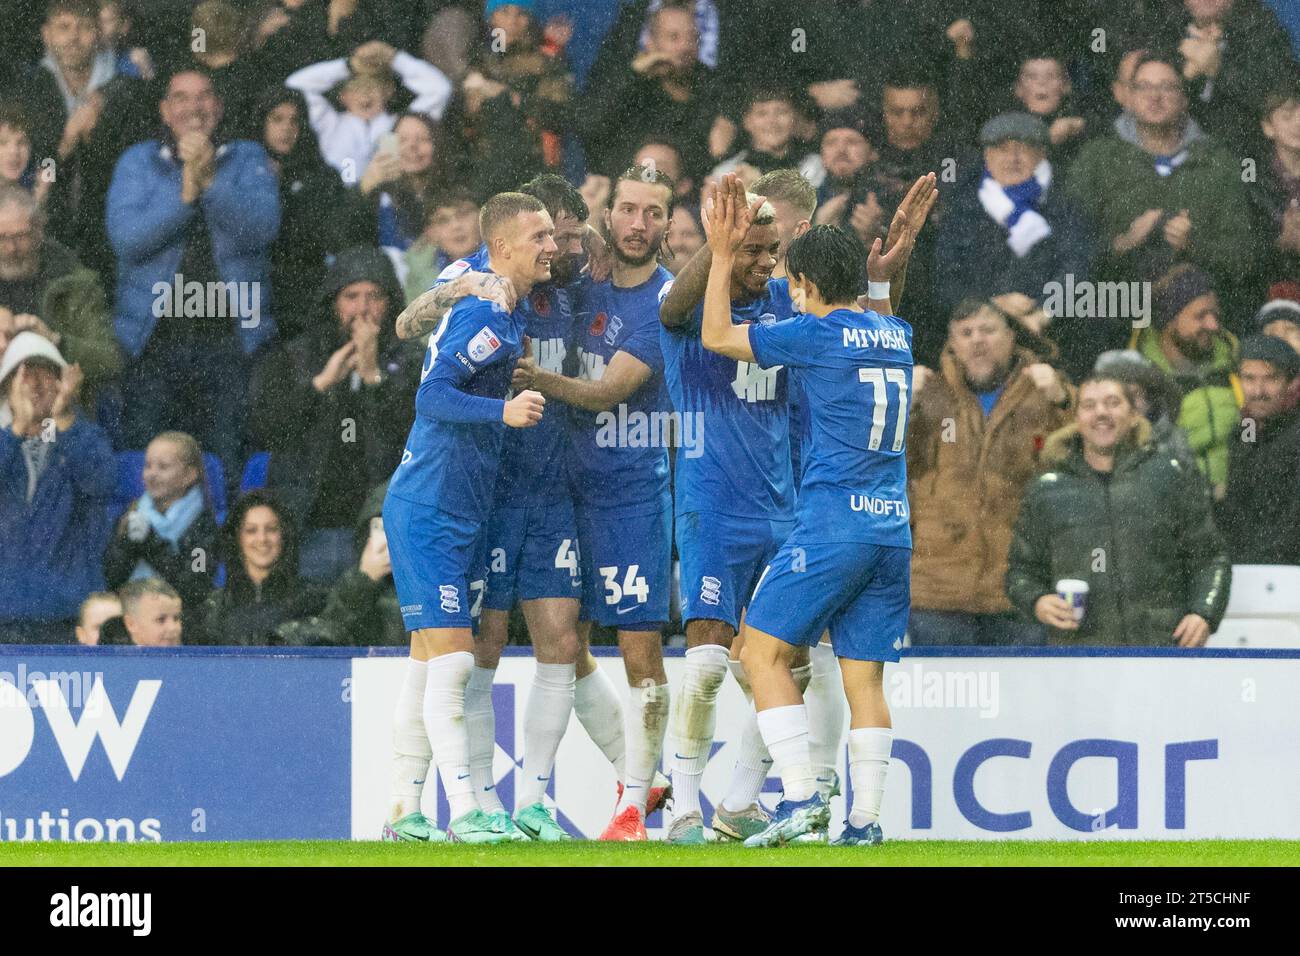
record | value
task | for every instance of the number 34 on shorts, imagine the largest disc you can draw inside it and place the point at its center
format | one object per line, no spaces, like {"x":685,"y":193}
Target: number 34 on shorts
{"x":628,"y":584}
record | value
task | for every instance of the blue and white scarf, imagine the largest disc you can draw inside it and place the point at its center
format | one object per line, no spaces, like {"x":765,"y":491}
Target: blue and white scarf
{"x":1015,"y":208}
{"x":169,"y":525}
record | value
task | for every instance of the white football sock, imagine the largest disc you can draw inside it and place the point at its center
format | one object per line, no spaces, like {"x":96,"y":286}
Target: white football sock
{"x":481,"y":723}
{"x":753,"y":763}
{"x":600,"y":711}
{"x":546,"y":717}
{"x":693,"y":721}
{"x":826,"y":703}
{"x":444,"y":722}
{"x":869,"y":749}
{"x":411,"y":751}
{"x":802,"y":676}
{"x":785,"y":731}
{"x":646,"y":720}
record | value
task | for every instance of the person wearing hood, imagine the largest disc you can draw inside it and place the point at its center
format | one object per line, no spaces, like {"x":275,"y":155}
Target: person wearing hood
{"x":44,"y":289}
{"x":57,"y":474}
{"x":1009,"y":227}
{"x":1186,"y":340}
{"x":1260,"y":516}
{"x":192,"y":219}
{"x":1168,"y":192}
{"x":333,"y":407}
{"x":1133,"y":523}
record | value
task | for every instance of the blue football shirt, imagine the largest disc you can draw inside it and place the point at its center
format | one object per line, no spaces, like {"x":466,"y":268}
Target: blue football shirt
{"x":453,"y":464}
{"x":854,"y":372}
{"x":734,"y":455}
{"x":619,"y":458}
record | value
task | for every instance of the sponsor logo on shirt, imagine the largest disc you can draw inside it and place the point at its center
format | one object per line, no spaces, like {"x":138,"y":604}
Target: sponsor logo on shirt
{"x":875,"y":339}
{"x":878,"y":506}
{"x":483,"y":345}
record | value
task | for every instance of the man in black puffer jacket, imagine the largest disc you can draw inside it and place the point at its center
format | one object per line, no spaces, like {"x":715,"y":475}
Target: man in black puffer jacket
{"x":1133,"y":522}
{"x":334,"y":405}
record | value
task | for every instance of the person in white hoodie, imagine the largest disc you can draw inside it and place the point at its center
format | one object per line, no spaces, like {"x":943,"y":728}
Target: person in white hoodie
{"x":349,"y":139}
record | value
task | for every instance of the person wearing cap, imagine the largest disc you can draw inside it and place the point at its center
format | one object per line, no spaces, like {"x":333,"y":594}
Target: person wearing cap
{"x":974,"y":433}
{"x":1169,"y":193}
{"x":1008,"y":227}
{"x":1186,"y":340}
{"x":349,"y":367}
{"x":1260,"y":515}
{"x":1112,"y":510}
{"x":1280,"y":315}
{"x":57,"y":476}
{"x":844,"y":154}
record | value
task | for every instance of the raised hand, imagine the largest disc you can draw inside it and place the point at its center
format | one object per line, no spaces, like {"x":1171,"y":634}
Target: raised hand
{"x":914,"y":210}
{"x":731,"y":216}
{"x":524,"y":410}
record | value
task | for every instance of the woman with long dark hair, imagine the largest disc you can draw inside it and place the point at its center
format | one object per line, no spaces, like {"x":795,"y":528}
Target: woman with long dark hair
{"x":399,"y":181}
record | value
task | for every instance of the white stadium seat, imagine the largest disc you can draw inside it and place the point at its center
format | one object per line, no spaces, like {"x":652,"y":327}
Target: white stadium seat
{"x":1256,"y":632}
{"x":1264,"y":590}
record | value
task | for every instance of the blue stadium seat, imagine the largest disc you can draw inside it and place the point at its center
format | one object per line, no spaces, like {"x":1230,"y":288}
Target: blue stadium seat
{"x":130,"y":484}
{"x":255,"y":472}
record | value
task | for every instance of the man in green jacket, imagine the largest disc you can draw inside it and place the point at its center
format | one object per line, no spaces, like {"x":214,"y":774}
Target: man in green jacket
{"x":1189,"y":344}
{"x":1132,"y":522}
{"x":1160,"y":190}
{"x":44,"y":289}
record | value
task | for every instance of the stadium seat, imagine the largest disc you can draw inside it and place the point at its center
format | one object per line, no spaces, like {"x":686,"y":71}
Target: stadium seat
{"x":130,"y":484}
{"x":1256,"y":632}
{"x":255,"y":472}
{"x":1264,"y":590}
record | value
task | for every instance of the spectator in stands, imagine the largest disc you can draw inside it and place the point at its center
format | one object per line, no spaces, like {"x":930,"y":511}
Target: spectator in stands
{"x":769,"y":121}
{"x":845,"y":154}
{"x":1167,"y":193}
{"x":319,"y":216}
{"x":333,"y":407}
{"x":151,"y":611}
{"x":517,"y":99}
{"x":99,"y":607}
{"x":1043,"y":89}
{"x":1008,"y":227}
{"x":1280,"y":315}
{"x":169,"y":531}
{"x":348,"y":139}
{"x":1260,"y":515}
{"x":44,"y":289}
{"x":663,"y":90}
{"x":450,"y":233}
{"x":262,"y":589}
{"x":16,"y":165}
{"x":1131,"y":522}
{"x":1155,"y":397}
{"x":296,"y":33}
{"x":1230,"y":52}
{"x":239,"y":75}
{"x":684,"y":238}
{"x":362,"y":607}
{"x":189,"y":213}
{"x":399,"y":182}
{"x":1275,"y":195}
{"x":663,"y":154}
{"x":975,"y":431}
{"x":116,"y":23}
{"x":1187,"y":342}
{"x":56,"y":479}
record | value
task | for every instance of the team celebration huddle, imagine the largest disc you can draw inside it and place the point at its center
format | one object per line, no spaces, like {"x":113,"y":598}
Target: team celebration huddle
{"x":789,"y":514}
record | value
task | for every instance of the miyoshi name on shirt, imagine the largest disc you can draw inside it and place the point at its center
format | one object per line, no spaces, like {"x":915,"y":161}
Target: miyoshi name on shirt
{"x":875,"y":339}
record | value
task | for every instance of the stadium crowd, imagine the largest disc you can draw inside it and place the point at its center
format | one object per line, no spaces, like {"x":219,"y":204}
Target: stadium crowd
{"x":212,"y":214}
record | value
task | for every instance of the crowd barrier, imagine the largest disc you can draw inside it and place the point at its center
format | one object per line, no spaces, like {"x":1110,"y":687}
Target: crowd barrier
{"x":142,"y":744}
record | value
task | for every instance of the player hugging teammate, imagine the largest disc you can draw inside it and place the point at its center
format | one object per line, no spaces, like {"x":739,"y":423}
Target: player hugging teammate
{"x":559,"y":509}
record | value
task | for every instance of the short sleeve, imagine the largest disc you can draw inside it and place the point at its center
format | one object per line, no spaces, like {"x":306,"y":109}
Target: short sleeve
{"x":789,"y":343}
{"x":643,"y":344}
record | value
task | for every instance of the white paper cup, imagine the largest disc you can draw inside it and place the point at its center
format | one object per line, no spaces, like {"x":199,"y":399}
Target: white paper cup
{"x":1075,"y":593}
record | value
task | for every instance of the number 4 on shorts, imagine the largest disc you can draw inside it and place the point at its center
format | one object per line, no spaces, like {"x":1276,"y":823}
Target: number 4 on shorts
{"x":634,"y":585}
{"x":566,"y":556}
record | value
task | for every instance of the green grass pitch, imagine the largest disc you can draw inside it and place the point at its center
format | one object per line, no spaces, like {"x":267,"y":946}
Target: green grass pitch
{"x":586,"y":853}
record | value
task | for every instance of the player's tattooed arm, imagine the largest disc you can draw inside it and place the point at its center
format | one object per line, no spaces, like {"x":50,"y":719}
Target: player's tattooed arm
{"x":729,"y":220}
{"x":624,"y":374}
{"x":688,"y":289}
{"x":424,"y":313}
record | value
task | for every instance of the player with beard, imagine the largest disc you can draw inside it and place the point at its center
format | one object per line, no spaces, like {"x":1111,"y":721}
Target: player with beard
{"x":619,"y":466}
{"x":531,"y":548}
{"x":435,"y":516}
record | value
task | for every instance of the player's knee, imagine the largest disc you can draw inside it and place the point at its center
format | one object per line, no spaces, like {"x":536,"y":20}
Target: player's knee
{"x":705,"y":631}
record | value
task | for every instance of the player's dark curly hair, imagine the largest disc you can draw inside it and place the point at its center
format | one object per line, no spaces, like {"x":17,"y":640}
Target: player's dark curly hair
{"x":642,"y":173}
{"x":557,"y":195}
{"x":829,"y":258}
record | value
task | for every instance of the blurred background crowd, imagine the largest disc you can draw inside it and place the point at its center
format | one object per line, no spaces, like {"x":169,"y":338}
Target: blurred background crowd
{"x":1119,"y":192}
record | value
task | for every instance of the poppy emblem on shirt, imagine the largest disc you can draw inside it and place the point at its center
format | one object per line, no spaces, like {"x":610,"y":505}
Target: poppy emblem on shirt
{"x":541,"y":304}
{"x":598,"y":323}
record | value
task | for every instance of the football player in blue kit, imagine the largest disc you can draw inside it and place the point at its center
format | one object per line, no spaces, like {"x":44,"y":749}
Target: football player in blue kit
{"x":846,"y":566}
{"x":619,"y":433}
{"x":436,"y":510}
